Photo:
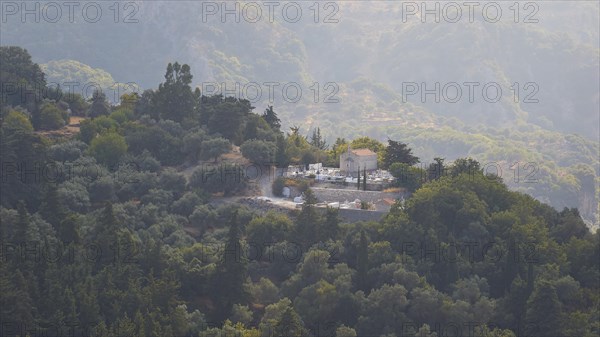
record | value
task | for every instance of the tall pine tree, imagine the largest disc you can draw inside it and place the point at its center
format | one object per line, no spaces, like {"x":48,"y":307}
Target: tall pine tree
{"x":397,"y":152}
{"x":271,"y":118}
{"x":317,"y":140}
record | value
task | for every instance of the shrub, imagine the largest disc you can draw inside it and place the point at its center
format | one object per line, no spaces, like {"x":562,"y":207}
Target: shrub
{"x":17,"y":120}
{"x":67,"y":151}
{"x":192,"y":144}
{"x":172,"y":181}
{"x":303,"y":185}
{"x":101,"y":190}
{"x":225,"y":178}
{"x":202,"y":217}
{"x":51,"y":117}
{"x":122,"y":115}
{"x":87,"y":130}
{"x":158,"y":197}
{"x":186,"y":204}
{"x":146,"y":162}
{"x":75,"y":196}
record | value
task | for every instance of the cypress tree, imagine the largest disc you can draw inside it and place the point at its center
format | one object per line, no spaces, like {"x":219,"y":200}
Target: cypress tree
{"x":24,"y":231}
{"x":544,"y":313}
{"x":107,"y":230}
{"x":52,"y":209}
{"x":452,"y":274}
{"x":530,"y":278}
{"x":331,"y":225}
{"x":510,"y":265}
{"x":290,"y":325}
{"x":231,"y":273}
{"x":362,"y":262}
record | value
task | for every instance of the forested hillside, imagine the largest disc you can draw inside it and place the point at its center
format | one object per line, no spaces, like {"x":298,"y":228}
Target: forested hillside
{"x":356,"y":64}
{"x":118,"y":231}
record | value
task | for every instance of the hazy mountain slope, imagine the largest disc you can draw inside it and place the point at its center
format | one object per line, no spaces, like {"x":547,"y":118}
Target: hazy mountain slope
{"x":370,"y":41}
{"x":368,"y":55}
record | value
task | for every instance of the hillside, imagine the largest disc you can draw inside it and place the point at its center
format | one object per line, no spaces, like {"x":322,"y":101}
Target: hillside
{"x":128,"y":219}
{"x":363,"y":66}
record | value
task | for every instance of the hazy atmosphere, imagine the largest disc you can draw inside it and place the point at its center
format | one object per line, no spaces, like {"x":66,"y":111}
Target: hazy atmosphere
{"x":309,"y":168}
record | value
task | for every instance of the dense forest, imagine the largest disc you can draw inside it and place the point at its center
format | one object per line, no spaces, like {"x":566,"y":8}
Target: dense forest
{"x":352,"y":61}
{"x":114,"y":231}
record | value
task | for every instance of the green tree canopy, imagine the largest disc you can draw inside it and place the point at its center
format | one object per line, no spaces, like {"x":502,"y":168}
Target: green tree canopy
{"x":52,"y":117}
{"x":271,"y":118}
{"x":174,"y":98}
{"x":108,"y":148}
{"x":213,"y":148}
{"x":99,"y":105}
{"x":259,"y":151}
{"x":397,"y":152}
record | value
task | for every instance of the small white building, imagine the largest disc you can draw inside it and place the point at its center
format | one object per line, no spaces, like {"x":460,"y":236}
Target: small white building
{"x":315,"y":167}
{"x":358,"y":159}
